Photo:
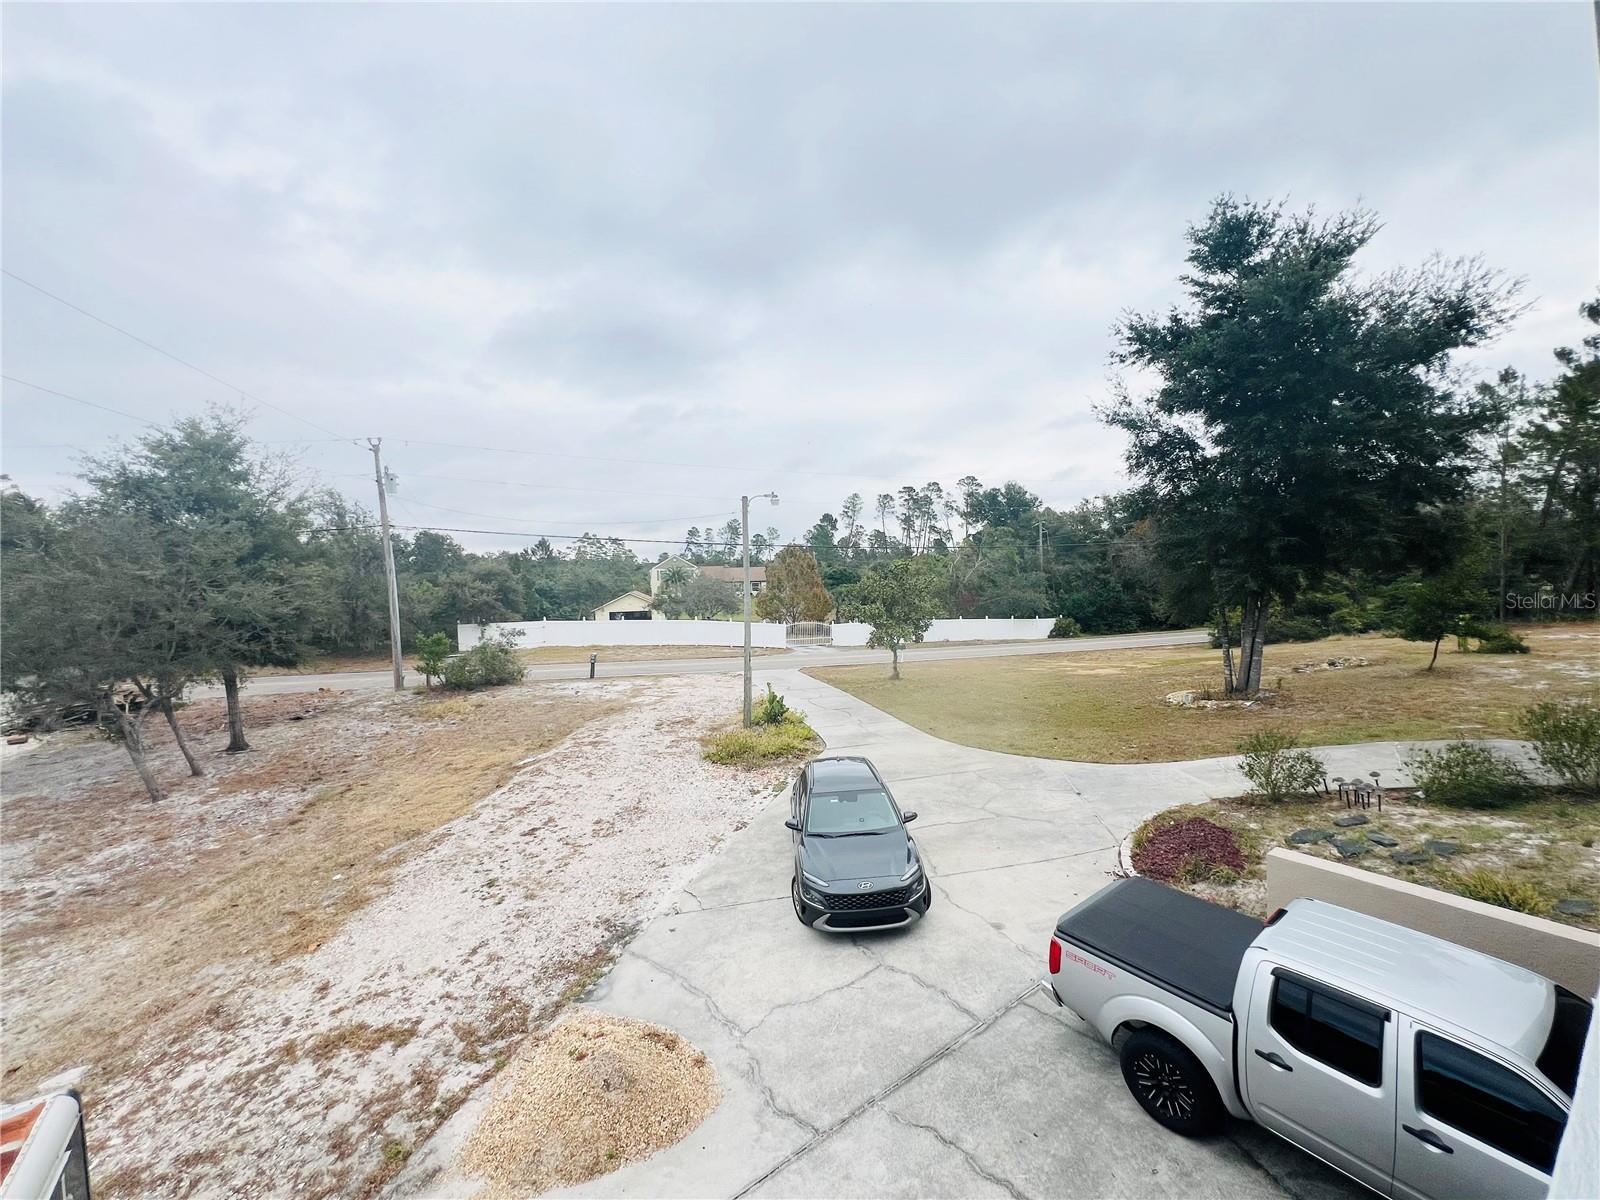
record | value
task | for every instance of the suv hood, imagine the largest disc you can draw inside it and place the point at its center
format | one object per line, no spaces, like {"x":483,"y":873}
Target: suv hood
{"x":862,"y":856}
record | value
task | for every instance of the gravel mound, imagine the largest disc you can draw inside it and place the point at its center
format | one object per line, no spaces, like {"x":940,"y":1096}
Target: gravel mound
{"x":592,"y":1093}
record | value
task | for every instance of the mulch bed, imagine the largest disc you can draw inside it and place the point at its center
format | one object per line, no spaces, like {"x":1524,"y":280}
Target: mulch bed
{"x":1170,"y":849}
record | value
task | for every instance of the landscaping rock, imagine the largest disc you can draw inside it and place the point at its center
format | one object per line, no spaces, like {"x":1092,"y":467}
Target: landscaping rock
{"x":1304,"y":837}
{"x":1410,"y":858}
{"x":1575,"y":908}
{"x":1350,"y":848}
{"x":1346,"y":822}
{"x":1382,"y":839}
{"x":1329,"y":664}
{"x":1442,"y":849}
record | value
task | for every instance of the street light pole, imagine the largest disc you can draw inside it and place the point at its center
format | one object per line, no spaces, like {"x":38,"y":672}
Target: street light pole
{"x":744,"y":537}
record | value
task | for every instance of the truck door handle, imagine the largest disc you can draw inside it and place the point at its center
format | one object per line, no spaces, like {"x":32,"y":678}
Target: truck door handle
{"x":1275,"y":1059}
{"x":1430,"y":1139}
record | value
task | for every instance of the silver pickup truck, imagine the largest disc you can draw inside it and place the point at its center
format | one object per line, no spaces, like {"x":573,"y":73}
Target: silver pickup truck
{"x":1417,"y":1067}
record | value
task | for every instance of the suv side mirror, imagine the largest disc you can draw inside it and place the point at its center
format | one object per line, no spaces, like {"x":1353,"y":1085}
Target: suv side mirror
{"x":908,"y":817}
{"x":791,"y":823}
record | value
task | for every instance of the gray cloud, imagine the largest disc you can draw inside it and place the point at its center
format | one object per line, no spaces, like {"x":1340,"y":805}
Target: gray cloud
{"x":821,"y":248}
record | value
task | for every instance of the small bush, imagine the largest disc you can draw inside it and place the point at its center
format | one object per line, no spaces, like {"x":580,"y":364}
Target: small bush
{"x":1469,"y":775}
{"x":1501,"y":890}
{"x":1276,"y":766}
{"x":1065,"y":627}
{"x":771,"y":709}
{"x":1497,"y":639}
{"x":432,"y":650}
{"x":492,"y":662}
{"x":1225,"y":876}
{"x":1566,"y":737}
{"x":760,"y":745}
{"x":1188,"y":851}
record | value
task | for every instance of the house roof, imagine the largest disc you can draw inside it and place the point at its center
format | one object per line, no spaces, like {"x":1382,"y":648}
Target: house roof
{"x":643,"y":596}
{"x":734,"y":574}
{"x":669,"y":560}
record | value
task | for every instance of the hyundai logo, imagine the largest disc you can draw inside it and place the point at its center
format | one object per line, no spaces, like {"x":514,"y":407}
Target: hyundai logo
{"x":866,"y":887}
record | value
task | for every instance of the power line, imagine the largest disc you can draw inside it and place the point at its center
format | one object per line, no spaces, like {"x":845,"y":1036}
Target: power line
{"x":168,"y":354}
{"x":39,"y":387}
{"x":633,"y":462}
{"x":408,"y":500}
{"x":569,"y":537}
{"x":561,"y":487}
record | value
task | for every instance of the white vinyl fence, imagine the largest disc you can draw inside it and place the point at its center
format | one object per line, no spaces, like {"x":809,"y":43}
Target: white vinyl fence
{"x":628,"y":633}
{"x":959,"y":629}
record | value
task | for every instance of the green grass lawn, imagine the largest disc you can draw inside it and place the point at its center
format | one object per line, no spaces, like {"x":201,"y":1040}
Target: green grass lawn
{"x":1110,"y":706}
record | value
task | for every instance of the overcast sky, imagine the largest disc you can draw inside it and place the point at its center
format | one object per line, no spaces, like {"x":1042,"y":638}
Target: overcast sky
{"x":811,"y":249}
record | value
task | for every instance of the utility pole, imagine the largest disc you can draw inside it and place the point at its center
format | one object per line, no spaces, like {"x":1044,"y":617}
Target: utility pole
{"x":388,"y":567}
{"x":744,"y":537}
{"x":1041,"y":547}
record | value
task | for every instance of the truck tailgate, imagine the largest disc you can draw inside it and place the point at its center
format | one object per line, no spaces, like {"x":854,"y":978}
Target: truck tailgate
{"x":1171,"y":939}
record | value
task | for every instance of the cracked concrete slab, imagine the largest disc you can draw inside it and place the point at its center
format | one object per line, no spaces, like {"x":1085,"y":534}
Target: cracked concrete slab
{"x":922,"y":1062}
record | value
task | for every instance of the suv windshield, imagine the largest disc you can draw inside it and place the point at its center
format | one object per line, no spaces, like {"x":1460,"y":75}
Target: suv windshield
{"x":833,"y":813}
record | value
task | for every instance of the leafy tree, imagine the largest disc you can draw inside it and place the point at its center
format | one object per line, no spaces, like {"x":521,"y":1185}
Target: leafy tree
{"x":201,"y":483}
{"x":432,"y":650}
{"x":899,"y":600}
{"x":1432,"y":608}
{"x":1302,"y":422}
{"x":701,"y":598}
{"x":794,"y":590}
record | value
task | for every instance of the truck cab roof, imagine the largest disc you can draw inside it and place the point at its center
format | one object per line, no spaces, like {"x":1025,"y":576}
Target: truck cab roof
{"x":1500,"y":1003}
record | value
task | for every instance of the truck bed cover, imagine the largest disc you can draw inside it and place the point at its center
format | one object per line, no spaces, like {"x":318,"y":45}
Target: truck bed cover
{"x":1172,"y":939}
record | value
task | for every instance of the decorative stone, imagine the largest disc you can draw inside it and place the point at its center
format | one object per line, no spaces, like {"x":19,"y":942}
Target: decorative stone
{"x":1575,"y":908}
{"x":1347,"y":821}
{"x":1350,"y":848}
{"x":1410,"y":858}
{"x":1382,"y":839}
{"x":1304,"y":837}
{"x":1443,"y":849}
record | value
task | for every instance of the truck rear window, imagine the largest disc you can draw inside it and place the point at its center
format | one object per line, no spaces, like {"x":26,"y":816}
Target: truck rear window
{"x":1564,"y":1047}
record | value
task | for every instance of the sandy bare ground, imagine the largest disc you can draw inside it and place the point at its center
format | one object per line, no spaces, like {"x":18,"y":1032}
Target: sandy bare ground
{"x":405,"y":956}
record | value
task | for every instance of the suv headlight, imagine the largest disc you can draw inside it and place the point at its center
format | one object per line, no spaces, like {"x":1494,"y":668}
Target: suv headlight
{"x":810,"y":878}
{"x":912,"y":871}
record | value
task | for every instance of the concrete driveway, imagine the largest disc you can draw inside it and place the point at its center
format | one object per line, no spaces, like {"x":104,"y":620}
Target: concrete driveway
{"x":925,"y":1062}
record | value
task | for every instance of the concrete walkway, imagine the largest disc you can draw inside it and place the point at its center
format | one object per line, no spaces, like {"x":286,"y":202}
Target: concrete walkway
{"x":925,"y":1062}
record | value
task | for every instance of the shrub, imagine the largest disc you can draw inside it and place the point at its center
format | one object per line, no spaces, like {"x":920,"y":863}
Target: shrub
{"x":1276,"y":766}
{"x":1469,"y":775}
{"x":1566,"y":737}
{"x":760,"y":745}
{"x":1187,"y":851}
{"x":492,"y":662}
{"x":1065,"y":627}
{"x":432,"y":650}
{"x":1497,"y":639}
{"x":771,"y":709}
{"x":1502,"y":890}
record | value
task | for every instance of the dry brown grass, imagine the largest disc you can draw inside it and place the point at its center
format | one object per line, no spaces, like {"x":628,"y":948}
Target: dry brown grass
{"x":1110,"y":706}
{"x":275,"y":896}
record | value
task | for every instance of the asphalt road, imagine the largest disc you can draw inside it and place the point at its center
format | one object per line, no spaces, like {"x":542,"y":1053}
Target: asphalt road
{"x":810,"y":656}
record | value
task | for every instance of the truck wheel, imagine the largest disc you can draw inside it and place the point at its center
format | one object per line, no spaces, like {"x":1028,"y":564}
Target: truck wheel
{"x":1170,"y":1084}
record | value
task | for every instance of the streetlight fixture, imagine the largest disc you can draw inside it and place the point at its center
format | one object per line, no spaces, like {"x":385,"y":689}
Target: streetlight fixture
{"x":744,"y":533}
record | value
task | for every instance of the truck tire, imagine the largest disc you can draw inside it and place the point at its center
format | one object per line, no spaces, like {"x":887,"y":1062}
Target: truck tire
{"x":1170,"y":1084}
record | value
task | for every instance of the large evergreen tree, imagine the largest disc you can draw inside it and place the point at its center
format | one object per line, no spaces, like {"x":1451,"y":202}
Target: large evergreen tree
{"x":1302,"y":419}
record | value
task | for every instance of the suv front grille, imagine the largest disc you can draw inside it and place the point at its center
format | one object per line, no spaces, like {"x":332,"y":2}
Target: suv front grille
{"x":852,"y":901}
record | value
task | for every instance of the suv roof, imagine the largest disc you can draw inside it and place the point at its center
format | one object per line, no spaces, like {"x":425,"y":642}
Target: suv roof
{"x":1499,"y":1002}
{"x":844,"y":771}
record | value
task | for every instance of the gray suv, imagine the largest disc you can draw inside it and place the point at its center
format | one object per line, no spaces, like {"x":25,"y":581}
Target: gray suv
{"x":855,"y":866}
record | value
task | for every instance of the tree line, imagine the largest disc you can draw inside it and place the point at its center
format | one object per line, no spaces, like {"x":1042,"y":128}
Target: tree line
{"x":1309,"y":460}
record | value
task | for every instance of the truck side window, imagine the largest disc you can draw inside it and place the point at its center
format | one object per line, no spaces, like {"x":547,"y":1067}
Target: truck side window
{"x":1347,"y":1038}
{"x":1487,"y":1102}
